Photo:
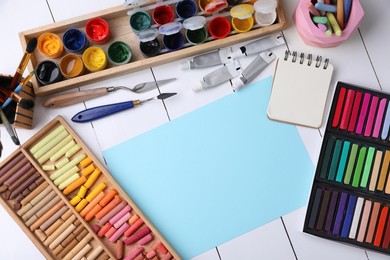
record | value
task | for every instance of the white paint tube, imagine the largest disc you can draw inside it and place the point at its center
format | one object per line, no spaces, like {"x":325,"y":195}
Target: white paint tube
{"x":213,"y":58}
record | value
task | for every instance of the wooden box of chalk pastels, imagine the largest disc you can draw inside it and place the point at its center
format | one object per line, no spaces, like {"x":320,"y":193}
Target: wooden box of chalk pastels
{"x":17,"y":106}
{"x":68,"y":204}
{"x":141,"y":35}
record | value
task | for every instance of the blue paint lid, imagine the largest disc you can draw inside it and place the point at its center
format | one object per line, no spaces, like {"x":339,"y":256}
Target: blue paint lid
{"x":147,"y":35}
{"x":194,"y":23}
{"x":170,"y":28}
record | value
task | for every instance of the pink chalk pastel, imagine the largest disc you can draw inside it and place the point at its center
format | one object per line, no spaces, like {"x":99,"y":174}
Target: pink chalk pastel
{"x":122,"y":220}
{"x":119,"y":232}
{"x":133,"y":254}
{"x":379,"y":117}
{"x":120,"y":214}
{"x":371,"y":116}
{"x":146,"y":239}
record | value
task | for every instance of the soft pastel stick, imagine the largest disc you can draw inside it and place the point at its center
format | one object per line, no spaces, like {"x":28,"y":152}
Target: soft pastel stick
{"x":335,"y":160}
{"x":17,"y":191}
{"x":323,"y":209}
{"x":87,"y":171}
{"x":326,"y":7}
{"x":55,"y":149}
{"x":119,"y":249}
{"x":48,"y":206}
{"x":355,"y":112}
{"x":65,"y":176}
{"x":134,"y":227}
{"x":81,"y":205}
{"x":45,"y":225}
{"x":356,"y":218}
{"x":339,"y":214}
{"x":74,"y":185}
{"x":373,"y":222}
{"x":84,"y":163}
{"x":59,"y":230}
{"x":39,"y":205}
{"x":11,"y":163}
{"x":120,"y":214}
{"x":48,"y":167}
{"x":82,"y":191}
{"x":379,"y":117}
{"x":343,"y":161}
{"x":35,"y":192}
{"x":67,"y":167}
{"x":96,"y":191}
{"x":320,"y":19}
{"x":133,"y":254}
{"x":75,"y":200}
{"x":367,"y":167}
{"x":51,"y":144}
{"x":68,"y":248}
{"x":137,"y":235}
{"x":119,"y":232}
{"x":92,"y":204}
{"x":371,"y":116}
{"x":82,"y":252}
{"x":384,"y":171}
{"x":363,"y":113}
{"x":108,"y":197}
{"x":92,"y":178}
{"x":110,"y":232}
{"x":47,"y":139}
{"x":93,"y":212}
{"x":68,"y":181}
{"x":386,"y":124}
{"x":161,"y":248}
{"x":72,"y":151}
{"x":347,"y":109}
{"x":61,"y":163}
{"x":348,"y":216}
{"x":109,"y":207}
{"x":78,"y":247}
{"x":329,"y":29}
{"x":146,"y":239}
{"x":133,"y":219}
{"x":104,"y":229}
{"x":11,"y":171}
{"x":327,"y":156}
{"x":340,"y":13}
{"x":375,"y":170}
{"x":364,"y":221}
{"x":122,"y":220}
{"x":40,"y":196}
{"x":95,"y":253}
{"x":339,"y":107}
{"x":351,"y":163}
{"x":312,"y":9}
{"x":381,"y":226}
{"x":62,"y":151}
{"x":386,"y":236}
{"x":322,"y":27}
{"x":347,"y":10}
{"x":387,"y":161}
{"x":17,"y":174}
{"x":359,"y":167}
{"x":62,"y":236}
{"x":333,"y":22}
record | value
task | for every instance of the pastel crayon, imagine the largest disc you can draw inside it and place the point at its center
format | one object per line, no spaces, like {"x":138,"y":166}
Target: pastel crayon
{"x":335,"y":160}
{"x":44,"y":158}
{"x":386,"y":236}
{"x":102,"y":232}
{"x":92,"y":204}
{"x":82,"y":191}
{"x":65,"y":176}
{"x":68,"y":248}
{"x":39,"y":205}
{"x":312,"y":9}
{"x":19,"y":173}
{"x":59,"y":230}
{"x":375,"y":170}
{"x":329,"y":30}
{"x":347,"y":109}
{"x":120,"y":214}
{"x":48,"y":206}
{"x":122,"y":220}
{"x":68,"y":239}
{"x":133,"y":228}
{"x":95,"y":227}
{"x":168,"y":256}
{"x":355,"y":112}
{"x":82,"y":234}
{"x":340,"y":13}
{"x":78,"y":230}
{"x":62,"y":151}
{"x":87,"y":161}
{"x":319,"y":19}
{"x":68,"y":181}
{"x":326,"y":7}
{"x":82,"y":252}
{"x":356,"y":218}
{"x":145,"y":240}
{"x":72,"y":151}
{"x":134,"y":253}
{"x":47,"y":139}
{"x":371,"y":116}
{"x":92,"y":178}
{"x":96,"y":191}
{"x":381,"y":226}
{"x":359,"y":167}
{"x":11,"y":163}
{"x":31,"y":220}
{"x":323,"y":209}
{"x":133,"y":219}
{"x":88,"y":170}
{"x":110,"y":232}
{"x":59,"y":164}
{"x":41,"y":152}
{"x":120,"y":231}
{"x":339,"y":214}
{"x":333,"y":22}
{"x":347,"y":10}
{"x":315,"y":207}
{"x":331,"y":211}
{"x":351,"y":163}
{"x":379,"y":118}
{"x":24,"y":209}
{"x":95,"y":253}
{"x":48,"y":167}
{"x":343,"y":161}
{"x":22,"y":180}
{"x":75,"y":200}
{"x":74,"y":185}
{"x":151,"y":254}
{"x":40,"y":196}
{"x":339,"y":107}
{"x":364,"y":221}
{"x":47,"y":215}
{"x":373,"y":222}
{"x":67,"y":167}
{"x":384,"y":171}
{"x":387,"y":189}
{"x":348,"y":216}
{"x":39,"y":181}
{"x":54,"y":227}
{"x":322,"y":27}
{"x":363,"y":113}
{"x":386,"y":124}
{"x":40,"y":234}
{"x":367,"y":167}
{"x":58,"y":249}
{"x":108,"y":197}
{"x":161,"y":248}
{"x":119,"y":249}
{"x":13,"y":169}
{"x":327,"y":157}
{"x":53,"y":218}
{"x":62,"y":236}
{"x":110,"y":210}
{"x":81,"y":205}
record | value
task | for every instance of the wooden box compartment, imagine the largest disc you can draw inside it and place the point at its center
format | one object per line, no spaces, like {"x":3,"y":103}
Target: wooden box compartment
{"x":118,"y":21}
{"x":32,"y":196}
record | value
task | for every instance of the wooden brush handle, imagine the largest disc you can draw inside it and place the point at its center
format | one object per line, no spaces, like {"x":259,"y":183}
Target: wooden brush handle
{"x":74,"y":98}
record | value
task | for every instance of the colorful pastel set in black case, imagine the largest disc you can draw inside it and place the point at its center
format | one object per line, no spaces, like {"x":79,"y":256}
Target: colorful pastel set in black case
{"x":350,"y":197}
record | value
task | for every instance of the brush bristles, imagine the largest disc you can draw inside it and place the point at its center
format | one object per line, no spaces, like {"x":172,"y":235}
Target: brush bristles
{"x":26,"y":103}
{"x":31,"y":45}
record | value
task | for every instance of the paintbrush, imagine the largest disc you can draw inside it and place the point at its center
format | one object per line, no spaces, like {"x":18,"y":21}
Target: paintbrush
{"x":23,"y":102}
{"x":18,"y":89}
{"x":8,"y":127}
{"x":31,"y":45}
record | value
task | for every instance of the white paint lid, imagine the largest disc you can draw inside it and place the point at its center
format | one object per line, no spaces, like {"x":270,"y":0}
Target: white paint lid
{"x":170,"y":28}
{"x":265,"y":6}
{"x":194,"y":23}
{"x":147,"y":35}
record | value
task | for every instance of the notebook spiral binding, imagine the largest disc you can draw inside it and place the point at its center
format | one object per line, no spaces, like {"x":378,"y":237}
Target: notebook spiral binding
{"x":318,"y":60}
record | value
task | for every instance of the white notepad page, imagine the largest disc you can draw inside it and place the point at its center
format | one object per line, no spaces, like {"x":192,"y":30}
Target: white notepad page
{"x":299,"y":90}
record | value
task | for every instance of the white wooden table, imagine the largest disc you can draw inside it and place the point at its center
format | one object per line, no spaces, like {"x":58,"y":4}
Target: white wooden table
{"x":361,"y":60}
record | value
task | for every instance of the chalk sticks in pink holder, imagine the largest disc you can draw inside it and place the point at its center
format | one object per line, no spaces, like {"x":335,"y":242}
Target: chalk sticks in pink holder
{"x":311,"y":34}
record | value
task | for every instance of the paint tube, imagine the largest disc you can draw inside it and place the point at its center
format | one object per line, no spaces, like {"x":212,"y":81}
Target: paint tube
{"x":217,"y":77}
{"x":208,"y":59}
{"x":259,"y":45}
{"x":254,"y":68}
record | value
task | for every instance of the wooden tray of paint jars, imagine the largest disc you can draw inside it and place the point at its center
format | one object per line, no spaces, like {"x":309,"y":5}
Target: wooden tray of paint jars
{"x":32,"y":198}
{"x":119,"y":23}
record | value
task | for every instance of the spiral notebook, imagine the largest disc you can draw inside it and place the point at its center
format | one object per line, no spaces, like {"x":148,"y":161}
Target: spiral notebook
{"x":299,"y":89}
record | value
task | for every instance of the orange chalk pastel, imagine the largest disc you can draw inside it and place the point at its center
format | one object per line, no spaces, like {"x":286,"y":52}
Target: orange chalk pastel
{"x":74,"y":185}
{"x":108,"y":208}
{"x":109,"y":196}
{"x":92,"y":204}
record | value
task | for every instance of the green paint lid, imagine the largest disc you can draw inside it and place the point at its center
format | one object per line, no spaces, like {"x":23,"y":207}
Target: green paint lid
{"x":194,"y":23}
{"x":147,"y":35}
{"x":170,"y":28}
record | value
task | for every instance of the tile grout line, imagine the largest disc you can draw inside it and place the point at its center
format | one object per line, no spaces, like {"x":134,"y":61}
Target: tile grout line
{"x":365,"y":251}
{"x":219,"y":255}
{"x":51,"y":13}
{"x":369,"y":58}
{"x":289,"y":239}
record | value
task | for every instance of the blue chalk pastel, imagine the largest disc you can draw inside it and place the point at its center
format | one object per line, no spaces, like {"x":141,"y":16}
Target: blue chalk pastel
{"x":347,"y":10}
{"x":386,"y":124}
{"x":326,"y":8}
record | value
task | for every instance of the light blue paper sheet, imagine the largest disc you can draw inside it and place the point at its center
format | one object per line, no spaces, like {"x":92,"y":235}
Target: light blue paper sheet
{"x":215,"y":173}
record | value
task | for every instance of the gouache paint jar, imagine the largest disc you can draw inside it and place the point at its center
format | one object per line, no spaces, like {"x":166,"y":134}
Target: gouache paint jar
{"x":242,"y":17}
{"x":119,"y":53}
{"x":71,"y":66}
{"x":140,"y":20}
{"x":94,"y":59}
{"x":50,"y":45}
{"x":149,"y":45}
{"x":98,"y":30}
{"x":163,"y":14}
{"x":219,"y":27}
{"x":75,"y":41}
{"x":196,"y":33}
{"x":172,"y":37}
{"x":48,"y":72}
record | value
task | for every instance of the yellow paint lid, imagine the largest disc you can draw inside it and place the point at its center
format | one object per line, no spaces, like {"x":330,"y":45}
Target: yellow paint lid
{"x":242,"y":11}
